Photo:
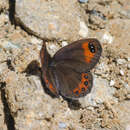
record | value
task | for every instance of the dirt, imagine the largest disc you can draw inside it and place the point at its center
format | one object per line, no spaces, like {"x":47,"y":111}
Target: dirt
{"x":25,"y":105}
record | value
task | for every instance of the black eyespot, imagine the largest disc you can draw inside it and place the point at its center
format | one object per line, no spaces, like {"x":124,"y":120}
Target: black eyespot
{"x":85,"y":76}
{"x":83,"y":89}
{"x":86,"y":83}
{"x":77,"y":92}
{"x":91,"y":47}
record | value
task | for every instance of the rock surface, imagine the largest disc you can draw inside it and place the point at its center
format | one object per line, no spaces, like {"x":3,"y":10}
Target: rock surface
{"x":2,"y":116}
{"x":25,"y":104}
{"x":56,"y":19}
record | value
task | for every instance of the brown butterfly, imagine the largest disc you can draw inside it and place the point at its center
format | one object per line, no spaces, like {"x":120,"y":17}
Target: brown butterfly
{"x":68,"y":72}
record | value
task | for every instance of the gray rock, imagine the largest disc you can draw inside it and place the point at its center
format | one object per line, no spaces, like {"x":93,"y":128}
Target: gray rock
{"x":32,"y":108}
{"x":51,"y":19}
{"x":26,"y":97}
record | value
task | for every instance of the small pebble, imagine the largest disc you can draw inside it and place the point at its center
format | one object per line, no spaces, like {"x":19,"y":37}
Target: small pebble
{"x":52,"y":46}
{"x":90,"y":108}
{"x":83,"y":1}
{"x":128,"y":58}
{"x":107,"y":38}
{"x":128,"y":96}
{"x":39,"y":47}
{"x":83,"y":29}
{"x":112,"y":82}
{"x":64,"y":43}
{"x":62,"y":125}
{"x":121,"y":61}
{"x":122,"y":72}
{"x":99,"y":101}
{"x":127,"y":86}
{"x":128,"y":66}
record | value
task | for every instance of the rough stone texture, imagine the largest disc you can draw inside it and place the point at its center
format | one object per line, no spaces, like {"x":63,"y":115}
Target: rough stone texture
{"x":51,"y":19}
{"x":2,"y":116}
{"x":28,"y":105}
{"x":4,"y":5}
{"x":32,"y":108}
{"x":100,"y":93}
{"x":106,"y":10}
{"x":123,"y":113}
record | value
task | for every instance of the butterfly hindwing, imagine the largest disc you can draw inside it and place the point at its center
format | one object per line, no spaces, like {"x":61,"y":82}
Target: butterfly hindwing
{"x":72,"y":84}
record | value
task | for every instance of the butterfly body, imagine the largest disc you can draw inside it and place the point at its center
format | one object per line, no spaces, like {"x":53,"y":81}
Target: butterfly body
{"x":68,"y":72}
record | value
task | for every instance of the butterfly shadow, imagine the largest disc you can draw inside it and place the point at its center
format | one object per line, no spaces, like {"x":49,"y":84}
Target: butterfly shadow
{"x":73,"y":104}
{"x":34,"y":68}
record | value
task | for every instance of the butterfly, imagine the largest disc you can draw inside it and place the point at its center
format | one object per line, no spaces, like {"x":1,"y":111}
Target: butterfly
{"x":67,"y":73}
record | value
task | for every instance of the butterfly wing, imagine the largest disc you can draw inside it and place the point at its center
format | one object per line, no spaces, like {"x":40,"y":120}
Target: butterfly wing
{"x":47,"y":72}
{"x":81,"y":55}
{"x":72,"y":84}
{"x":51,"y":81}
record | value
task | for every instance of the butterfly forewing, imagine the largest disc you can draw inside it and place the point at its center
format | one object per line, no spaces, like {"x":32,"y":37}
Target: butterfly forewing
{"x":81,"y":55}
